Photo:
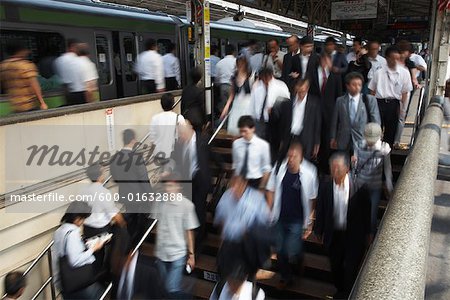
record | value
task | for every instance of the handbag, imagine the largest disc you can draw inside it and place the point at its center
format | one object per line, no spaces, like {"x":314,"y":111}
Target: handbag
{"x":74,"y":278}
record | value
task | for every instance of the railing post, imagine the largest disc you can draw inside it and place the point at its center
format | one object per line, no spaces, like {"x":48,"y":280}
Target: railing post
{"x":50,"y":266}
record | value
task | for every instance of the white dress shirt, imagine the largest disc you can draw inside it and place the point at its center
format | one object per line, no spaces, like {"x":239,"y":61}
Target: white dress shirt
{"x":191,"y":149}
{"x":341,"y":196}
{"x":298,"y":115}
{"x":74,"y":71}
{"x":172,"y":67}
{"x":304,"y":59}
{"x":391,"y":84}
{"x":351,"y":56}
{"x":214,"y":60}
{"x":276,"y":89}
{"x":277,"y":72}
{"x":245,"y":293}
{"x":377,"y":63}
{"x":163,"y":131}
{"x":258,"y":161}
{"x":418,"y":61}
{"x":310,"y":188}
{"x":225,"y":69}
{"x":320,"y":75}
{"x":102,"y":204}
{"x":149,"y":66}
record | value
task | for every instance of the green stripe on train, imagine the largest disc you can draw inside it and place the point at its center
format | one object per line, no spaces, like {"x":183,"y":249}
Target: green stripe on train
{"x":52,"y":102}
{"x":85,"y":20}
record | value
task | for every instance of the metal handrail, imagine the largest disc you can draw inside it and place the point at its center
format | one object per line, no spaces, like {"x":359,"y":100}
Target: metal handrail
{"x":218,"y":129}
{"x":418,"y":118}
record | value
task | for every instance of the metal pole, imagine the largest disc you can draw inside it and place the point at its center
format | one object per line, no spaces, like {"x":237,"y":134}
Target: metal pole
{"x":52,"y":284}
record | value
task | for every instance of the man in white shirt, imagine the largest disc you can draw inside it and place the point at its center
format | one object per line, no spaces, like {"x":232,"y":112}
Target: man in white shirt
{"x":357,"y":46}
{"x":89,"y":71}
{"x":276,"y":58}
{"x":214,"y":60}
{"x":265,"y":92}
{"x":391,"y":85}
{"x":420,"y":63}
{"x":251,"y":155}
{"x":375,"y":59}
{"x":225,"y":69}
{"x":292,"y":188}
{"x":163,"y":127}
{"x":172,"y":69}
{"x":342,"y":222}
{"x":149,"y":66}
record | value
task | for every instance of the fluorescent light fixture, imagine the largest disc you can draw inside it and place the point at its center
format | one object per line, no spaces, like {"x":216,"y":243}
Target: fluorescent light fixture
{"x":331,"y":33}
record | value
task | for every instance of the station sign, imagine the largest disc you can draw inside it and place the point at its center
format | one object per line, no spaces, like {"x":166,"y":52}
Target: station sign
{"x":354,"y":10}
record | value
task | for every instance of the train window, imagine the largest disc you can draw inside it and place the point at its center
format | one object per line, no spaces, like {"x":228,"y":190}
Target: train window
{"x":103,"y":60}
{"x":163,"y":45}
{"x":45,"y":47}
{"x":130,"y":57}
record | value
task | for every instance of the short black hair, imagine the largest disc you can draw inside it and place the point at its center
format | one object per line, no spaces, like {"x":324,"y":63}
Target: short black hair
{"x":405,"y":45}
{"x":76,"y":209}
{"x":353,"y":75}
{"x":230,"y":49}
{"x":167,"y":101}
{"x":72,"y":42}
{"x":330,"y":39}
{"x":296,"y":144}
{"x":273,"y":40}
{"x":246,"y":121}
{"x":194,"y":117}
{"x":171,"y":47}
{"x":15,"y":46}
{"x":373,"y":42}
{"x":214,"y":49}
{"x":306,"y":40}
{"x":83,"y":50}
{"x":94,"y":172}
{"x":265,"y":72}
{"x":357,"y":40}
{"x":196,"y":75}
{"x":128,"y":135}
{"x":390,"y":50}
{"x":340,"y":155}
{"x":150,"y":44}
{"x":14,"y":282}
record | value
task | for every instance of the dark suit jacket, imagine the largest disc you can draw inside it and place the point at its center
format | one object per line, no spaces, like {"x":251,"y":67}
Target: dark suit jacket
{"x":287,"y":65}
{"x":129,"y":171}
{"x":193,"y":98}
{"x":280,"y":121}
{"x":358,"y":214}
{"x":313,"y":63}
{"x":340,"y":61}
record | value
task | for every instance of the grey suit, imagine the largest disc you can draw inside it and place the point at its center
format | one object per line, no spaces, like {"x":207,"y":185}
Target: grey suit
{"x":346,"y":134}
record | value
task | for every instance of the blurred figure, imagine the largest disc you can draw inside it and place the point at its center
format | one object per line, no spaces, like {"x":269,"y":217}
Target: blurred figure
{"x":175,"y":237}
{"x":361,"y":65}
{"x":356,"y":48}
{"x":239,"y":101}
{"x":103,"y":217}
{"x":259,"y":60}
{"x":265,"y":92}
{"x":421,"y":65}
{"x":294,"y":49}
{"x":89,"y":71}
{"x":291,"y":192}
{"x":372,"y":160}
{"x":193,"y":96}
{"x":15,"y":285}
{"x":19,"y":78}
{"x":163,"y":127}
{"x":338,"y":60}
{"x":343,"y":223}
{"x":327,"y":85}
{"x":129,"y":171}
{"x":251,"y":155}
{"x":276,"y":57}
{"x":307,"y":61}
{"x":70,"y":251}
{"x":391,"y":85}
{"x":214,"y":58}
{"x":225,"y":69}
{"x":172,"y":71}
{"x":376,"y":60}
{"x":150,"y":68}
{"x":351,"y":114}
{"x":296,"y":119}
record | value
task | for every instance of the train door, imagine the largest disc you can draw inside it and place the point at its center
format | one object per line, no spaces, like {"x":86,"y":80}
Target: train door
{"x":128,"y":54}
{"x":104,"y":59}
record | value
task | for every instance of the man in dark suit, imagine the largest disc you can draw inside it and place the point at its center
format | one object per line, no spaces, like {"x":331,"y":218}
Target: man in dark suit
{"x":192,"y":156}
{"x":338,"y":59}
{"x":351,"y":114}
{"x":298,"y":118}
{"x":343,"y":223}
{"x":287,"y":72}
{"x":326,"y":85}
{"x":305,"y":64}
{"x":193,"y":97}
{"x":128,"y":170}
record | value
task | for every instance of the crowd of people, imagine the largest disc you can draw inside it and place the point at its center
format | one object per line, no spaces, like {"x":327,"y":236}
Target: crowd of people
{"x":310,"y":160}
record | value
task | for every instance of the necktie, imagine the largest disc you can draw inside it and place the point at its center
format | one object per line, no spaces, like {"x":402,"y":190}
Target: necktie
{"x":261,"y":116}
{"x":324,"y":81}
{"x":352,"y":110}
{"x":244,"y":168}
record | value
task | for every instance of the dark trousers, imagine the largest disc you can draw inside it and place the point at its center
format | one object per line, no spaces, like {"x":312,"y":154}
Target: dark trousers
{"x":345,"y":259}
{"x":199,"y":194}
{"x":75,"y":98}
{"x":102,"y":256}
{"x":148,"y":87}
{"x":389,"y":112}
{"x":171,"y":84}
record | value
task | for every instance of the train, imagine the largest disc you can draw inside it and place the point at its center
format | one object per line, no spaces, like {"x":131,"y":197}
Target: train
{"x":116,"y":35}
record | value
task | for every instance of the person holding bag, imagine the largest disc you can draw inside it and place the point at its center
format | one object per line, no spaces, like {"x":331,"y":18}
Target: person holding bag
{"x":76,"y":274}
